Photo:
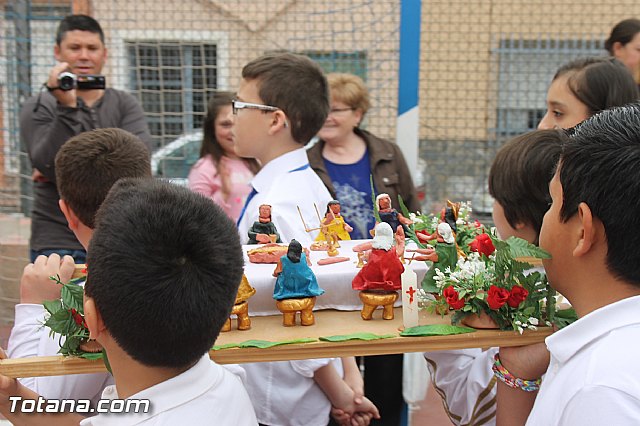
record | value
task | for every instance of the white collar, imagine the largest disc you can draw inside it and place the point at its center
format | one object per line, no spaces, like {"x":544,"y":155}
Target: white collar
{"x":169,"y":394}
{"x":567,"y":342}
{"x":278,"y":166}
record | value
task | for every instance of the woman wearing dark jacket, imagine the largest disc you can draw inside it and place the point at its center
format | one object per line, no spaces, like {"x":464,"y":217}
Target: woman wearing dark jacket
{"x":345,"y":157}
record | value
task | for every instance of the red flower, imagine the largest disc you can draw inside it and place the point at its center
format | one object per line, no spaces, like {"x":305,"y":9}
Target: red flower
{"x":517,"y":296}
{"x":482,"y":244}
{"x":452,"y":297}
{"x":77,"y":318}
{"x":477,"y":224}
{"x":497,"y":297}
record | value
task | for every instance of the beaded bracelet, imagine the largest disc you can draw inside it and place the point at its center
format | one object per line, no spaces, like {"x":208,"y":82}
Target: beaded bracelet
{"x":512,"y":381}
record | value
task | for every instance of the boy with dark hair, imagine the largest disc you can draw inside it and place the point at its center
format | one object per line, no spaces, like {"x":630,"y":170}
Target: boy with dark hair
{"x":591,"y":233}
{"x":166,"y":241}
{"x":281,"y":104}
{"x":87,"y":166}
{"x":519,"y":183}
{"x":50,"y":118}
{"x":156,"y":296}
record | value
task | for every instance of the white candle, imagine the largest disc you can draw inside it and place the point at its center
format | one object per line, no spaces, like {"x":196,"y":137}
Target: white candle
{"x":409,"y":297}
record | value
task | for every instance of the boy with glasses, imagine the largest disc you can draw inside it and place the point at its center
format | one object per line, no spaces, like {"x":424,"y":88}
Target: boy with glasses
{"x":281,"y":104}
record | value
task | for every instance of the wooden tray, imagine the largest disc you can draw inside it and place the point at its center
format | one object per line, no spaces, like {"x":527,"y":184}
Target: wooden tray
{"x":328,"y":323}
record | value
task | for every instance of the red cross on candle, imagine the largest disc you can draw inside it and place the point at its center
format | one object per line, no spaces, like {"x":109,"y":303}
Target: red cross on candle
{"x":411,"y":292}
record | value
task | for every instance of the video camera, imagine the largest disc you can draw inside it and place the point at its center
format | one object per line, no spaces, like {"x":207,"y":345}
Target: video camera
{"x":70,"y":81}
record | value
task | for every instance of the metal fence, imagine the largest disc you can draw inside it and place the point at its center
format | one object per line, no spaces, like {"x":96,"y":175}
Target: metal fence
{"x":483,"y":71}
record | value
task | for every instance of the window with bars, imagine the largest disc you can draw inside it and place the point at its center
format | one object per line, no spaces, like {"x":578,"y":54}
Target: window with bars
{"x":172,"y":81}
{"x":525,"y":70}
{"x":333,"y":61}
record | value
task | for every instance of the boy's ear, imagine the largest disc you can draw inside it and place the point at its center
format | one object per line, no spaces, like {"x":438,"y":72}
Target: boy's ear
{"x":69,"y":214}
{"x":279,"y":122}
{"x":93,"y":318}
{"x":587,"y":229}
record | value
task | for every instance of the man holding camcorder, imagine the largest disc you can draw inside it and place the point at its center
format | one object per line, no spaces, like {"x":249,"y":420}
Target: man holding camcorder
{"x":73,"y":100}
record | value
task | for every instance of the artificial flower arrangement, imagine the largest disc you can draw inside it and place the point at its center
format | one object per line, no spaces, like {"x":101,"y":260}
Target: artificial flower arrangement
{"x":489,"y":279}
{"x":66,"y":318}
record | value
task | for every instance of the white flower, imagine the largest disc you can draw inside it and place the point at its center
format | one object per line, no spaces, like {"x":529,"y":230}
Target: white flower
{"x":520,"y":330}
{"x":533,"y":321}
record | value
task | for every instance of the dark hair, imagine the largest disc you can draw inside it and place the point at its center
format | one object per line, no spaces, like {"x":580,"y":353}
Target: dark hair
{"x":331,"y":203}
{"x":520,"y":175}
{"x":166,"y":264}
{"x":600,"y":166}
{"x":88,"y":165}
{"x":294,"y":253}
{"x":623,"y":32}
{"x":599,"y":82}
{"x":210,"y":145}
{"x":80,"y":23}
{"x":296,"y":85}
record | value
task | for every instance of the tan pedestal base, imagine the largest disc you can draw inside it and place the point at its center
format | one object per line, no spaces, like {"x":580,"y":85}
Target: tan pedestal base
{"x":289,"y":308}
{"x":241,"y":310}
{"x":371,"y":300}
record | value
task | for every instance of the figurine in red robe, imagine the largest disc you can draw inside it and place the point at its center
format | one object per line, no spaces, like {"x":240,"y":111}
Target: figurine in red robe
{"x":379,"y":279}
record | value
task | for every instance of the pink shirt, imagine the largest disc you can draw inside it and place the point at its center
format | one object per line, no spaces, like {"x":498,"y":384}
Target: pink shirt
{"x":204,"y":179}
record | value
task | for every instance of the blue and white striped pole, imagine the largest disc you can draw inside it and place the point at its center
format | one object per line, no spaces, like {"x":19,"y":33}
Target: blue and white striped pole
{"x":408,"y":123}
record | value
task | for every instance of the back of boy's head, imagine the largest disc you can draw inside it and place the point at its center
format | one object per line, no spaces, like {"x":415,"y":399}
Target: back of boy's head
{"x":164,"y":269}
{"x":296,"y":85}
{"x":600,"y":166}
{"x":520,"y":175}
{"x":88,"y":165}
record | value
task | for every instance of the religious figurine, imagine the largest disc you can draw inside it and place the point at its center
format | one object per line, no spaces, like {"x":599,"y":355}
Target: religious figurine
{"x":263,"y":231}
{"x":379,"y":279}
{"x":333,"y":225}
{"x":296,"y":286}
{"x":449,"y":215}
{"x":241,"y":306}
{"x":390,"y":215}
{"x":444,"y":254}
{"x":328,"y":240}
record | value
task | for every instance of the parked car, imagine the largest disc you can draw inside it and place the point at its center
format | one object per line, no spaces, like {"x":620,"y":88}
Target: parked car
{"x":174,"y":160}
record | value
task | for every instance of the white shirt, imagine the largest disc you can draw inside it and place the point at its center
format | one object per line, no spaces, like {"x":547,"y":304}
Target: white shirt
{"x":465,"y":381}
{"x":30,"y":338}
{"x":284,"y":393}
{"x":594,"y":374}
{"x":206,"y":394}
{"x":286,"y":183}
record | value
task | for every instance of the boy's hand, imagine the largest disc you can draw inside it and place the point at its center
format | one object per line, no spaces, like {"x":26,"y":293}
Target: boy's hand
{"x":35,"y":284}
{"x":526,"y":362}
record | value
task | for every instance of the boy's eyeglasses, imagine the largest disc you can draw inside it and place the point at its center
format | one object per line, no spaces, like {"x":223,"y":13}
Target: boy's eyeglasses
{"x":236,"y":105}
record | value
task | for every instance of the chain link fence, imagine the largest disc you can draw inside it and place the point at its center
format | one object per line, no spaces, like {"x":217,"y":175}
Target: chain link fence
{"x":484,"y":70}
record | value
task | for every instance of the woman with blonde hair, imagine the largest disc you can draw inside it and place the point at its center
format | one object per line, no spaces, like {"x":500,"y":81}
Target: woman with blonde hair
{"x":346,"y":155}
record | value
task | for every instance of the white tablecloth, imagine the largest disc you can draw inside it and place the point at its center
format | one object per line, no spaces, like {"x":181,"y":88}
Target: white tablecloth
{"x":335,"y":279}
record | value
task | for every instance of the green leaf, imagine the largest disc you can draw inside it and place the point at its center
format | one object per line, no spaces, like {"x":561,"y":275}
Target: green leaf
{"x":52,"y":306}
{"x":436,"y":330}
{"x":376,"y":214}
{"x":522,"y":248}
{"x":60,"y":322}
{"x":91,"y":355}
{"x":226,"y":346}
{"x":72,"y":297}
{"x":565,"y":317}
{"x":263,"y":344}
{"x":356,"y":336}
